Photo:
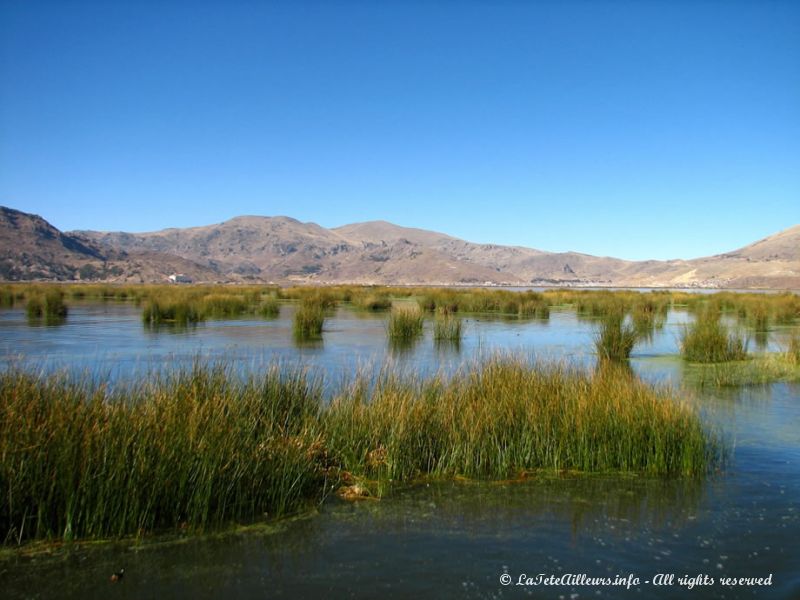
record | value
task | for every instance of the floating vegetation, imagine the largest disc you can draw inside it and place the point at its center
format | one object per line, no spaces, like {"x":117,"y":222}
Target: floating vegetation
{"x":505,"y":416}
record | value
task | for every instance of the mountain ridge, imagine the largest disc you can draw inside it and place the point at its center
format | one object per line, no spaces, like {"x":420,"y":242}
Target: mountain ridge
{"x":284,"y":250}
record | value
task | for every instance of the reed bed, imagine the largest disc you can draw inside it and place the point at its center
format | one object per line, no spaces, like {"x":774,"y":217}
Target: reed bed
{"x":198,"y":449}
{"x":201,"y":448}
{"x":707,"y":340}
{"x":758,"y":370}
{"x":405,"y":322}
{"x":504,"y":417}
{"x":372,"y":301}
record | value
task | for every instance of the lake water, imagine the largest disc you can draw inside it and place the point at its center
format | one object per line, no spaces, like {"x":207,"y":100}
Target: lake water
{"x":453,"y":539}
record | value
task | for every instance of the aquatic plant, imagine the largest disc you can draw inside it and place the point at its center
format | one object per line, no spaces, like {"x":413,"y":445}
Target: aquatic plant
{"x":269,"y":307}
{"x":372,"y":301}
{"x":447,"y":326}
{"x":200,"y":447}
{"x":194,"y":449}
{"x":309,"y":319}
{"x":48,"y":305}
{"x":405,"y":322}
{"x":616,"y":338}
{"x":175,"y":312}
{"x":757,"y":370}
{"x":707,"y":340}
{"x":504,"y":417}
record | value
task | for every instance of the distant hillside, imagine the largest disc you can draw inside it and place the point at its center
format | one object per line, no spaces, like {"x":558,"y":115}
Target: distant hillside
{"x":284,"y":250}
{"x":32,"y":249}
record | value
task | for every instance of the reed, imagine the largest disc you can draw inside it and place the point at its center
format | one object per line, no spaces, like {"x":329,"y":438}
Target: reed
{"x":198,"y":448}
{"x":405,"y":322}
{"x":505,"y":416}
{"x":707,"y":340}
{"x":372,"y":301}
{"x":269,"y":308}
{"x":447,"y":327}
{"x":758,"y":370}
{"x":225,"y":305}
{"x":7,"y":296}
{"x":48,"y":305}
{"x":309,"y":319}
{"x":170,"y":313}
{"x":793,"y":349}
{"x":616,"y":338}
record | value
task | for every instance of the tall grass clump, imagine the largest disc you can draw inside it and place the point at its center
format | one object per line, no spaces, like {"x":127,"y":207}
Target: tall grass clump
{"x":707,"y":340}
{"x":616,"y":338}
{"x":269,"y":308}
{"x":198,"y":448}
{"x":405,"y":322}
{"x":372,"y":301}
{"x":447,"y":327}
{"x":7,"y":296}
{"x":170,"y":312}
{"x":223,"y":305}
{"x":309,"y":319}
{"x":504,"y":417}
{"x":793,"y":349}
{"x":48,"y":305}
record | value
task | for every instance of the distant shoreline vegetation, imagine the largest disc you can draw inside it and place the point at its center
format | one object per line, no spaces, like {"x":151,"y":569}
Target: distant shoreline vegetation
{"x":724,"y":325}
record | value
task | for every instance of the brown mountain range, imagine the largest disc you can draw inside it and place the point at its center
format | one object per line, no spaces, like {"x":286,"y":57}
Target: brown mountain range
{"x":284,"y":250}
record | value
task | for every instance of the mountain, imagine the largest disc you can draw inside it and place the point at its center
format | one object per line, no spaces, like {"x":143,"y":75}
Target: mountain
{"x":32,"y":249}
{"x":284,"y":250}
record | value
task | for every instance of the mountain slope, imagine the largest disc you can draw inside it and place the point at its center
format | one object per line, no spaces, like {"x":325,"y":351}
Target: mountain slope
{"x":284,"y":250}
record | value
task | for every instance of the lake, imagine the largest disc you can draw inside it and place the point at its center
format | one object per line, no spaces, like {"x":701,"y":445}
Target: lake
{"x":453,"y":539}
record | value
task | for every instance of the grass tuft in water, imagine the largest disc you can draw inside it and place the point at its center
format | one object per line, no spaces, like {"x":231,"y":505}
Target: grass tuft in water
{"x":309,"y":319}
{"x":202,"y":448}
{"x":48,"y":305}
{"x":707,"y":340}
{"x":198,"y":448}
{"x":616,"y":338}
{"x":505,"y":416}
{"x":447,"y":327}
{"x":405,"y":322}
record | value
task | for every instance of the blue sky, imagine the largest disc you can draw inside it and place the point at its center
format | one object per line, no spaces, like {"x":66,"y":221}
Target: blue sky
{"x":634,"y":129}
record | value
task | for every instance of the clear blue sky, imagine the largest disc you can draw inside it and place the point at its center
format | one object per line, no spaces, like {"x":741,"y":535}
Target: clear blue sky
{"x":634,"y":129}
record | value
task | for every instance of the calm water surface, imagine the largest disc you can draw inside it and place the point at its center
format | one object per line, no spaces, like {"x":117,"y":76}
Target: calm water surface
{"x":443,"y":540}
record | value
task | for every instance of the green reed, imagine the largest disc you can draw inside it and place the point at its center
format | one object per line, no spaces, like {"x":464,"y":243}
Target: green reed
{"x":202,"y":448}
{"x":197,"y":448}
{"x":616,"y":338}
{"x":707,"y":340}
{"x":447,"y":326}
{"x":309,"y":319}
{"x":405,"y":322}
{"x":505,"y":416}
